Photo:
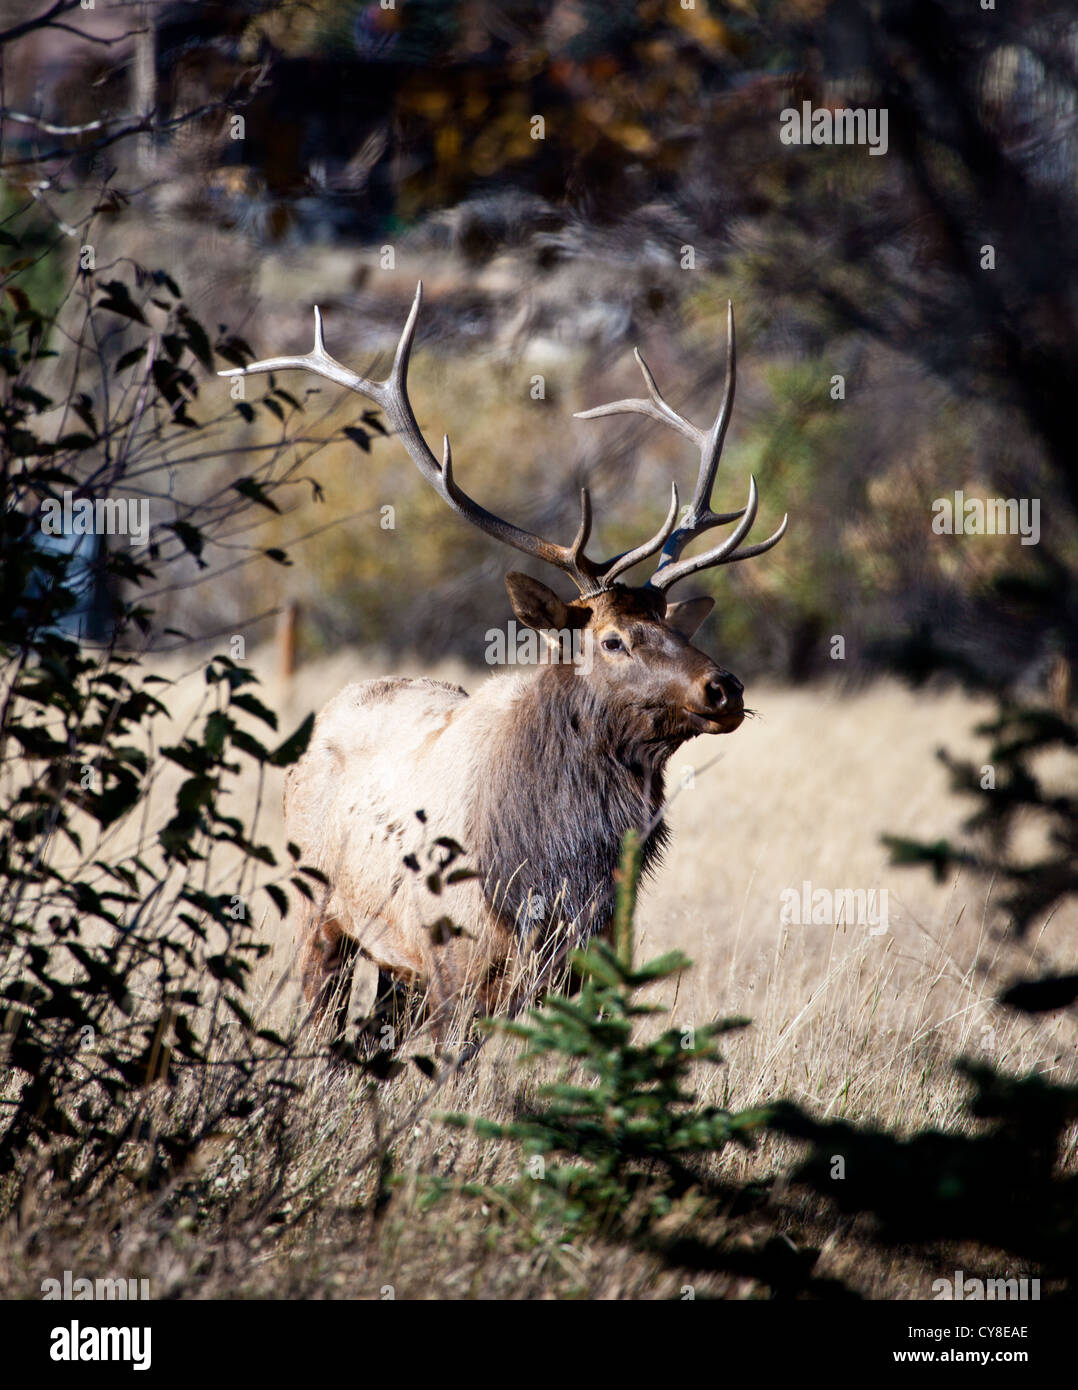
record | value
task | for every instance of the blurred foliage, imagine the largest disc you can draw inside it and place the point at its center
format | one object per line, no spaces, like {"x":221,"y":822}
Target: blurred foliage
{"x":1009,"y":795}
{"x":123,"y":972}
{"x":416,"y":127}
{"x":30,"y":255}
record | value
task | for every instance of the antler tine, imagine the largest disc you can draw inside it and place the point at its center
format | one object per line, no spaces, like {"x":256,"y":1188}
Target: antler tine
{"x":699,"y":516}
{"x":709,"y":442}
{"x":711,"y":449}
{"x":621,"y":563}
{"x":318,"y":361}
{"x":391,"y":395}
{"x":655,"y":409}
{"x":669,"y":573}
{"x":583,"y":534}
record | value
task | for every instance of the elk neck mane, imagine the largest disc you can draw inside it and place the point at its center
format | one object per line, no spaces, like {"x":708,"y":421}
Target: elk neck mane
{"x":566,"y":776}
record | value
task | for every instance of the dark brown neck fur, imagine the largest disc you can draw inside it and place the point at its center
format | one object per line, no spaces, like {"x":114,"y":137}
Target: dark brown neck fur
{"x":560,"y":789}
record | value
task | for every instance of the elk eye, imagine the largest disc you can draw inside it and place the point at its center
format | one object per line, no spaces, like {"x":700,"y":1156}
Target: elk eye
{"x":613,"y":644}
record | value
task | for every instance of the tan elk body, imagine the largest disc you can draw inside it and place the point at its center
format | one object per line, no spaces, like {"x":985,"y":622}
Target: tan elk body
{"x":535,"y":779}
{"x":382,"y":751}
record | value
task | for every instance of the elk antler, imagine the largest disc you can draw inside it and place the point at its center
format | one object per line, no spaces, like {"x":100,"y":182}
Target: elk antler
{"x":391,"y":395}
{"x":700,"y":517}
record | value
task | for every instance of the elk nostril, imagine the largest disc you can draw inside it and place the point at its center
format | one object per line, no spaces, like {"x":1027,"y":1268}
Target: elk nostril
{"x":716,"y":694}
{"x":723,"y":691}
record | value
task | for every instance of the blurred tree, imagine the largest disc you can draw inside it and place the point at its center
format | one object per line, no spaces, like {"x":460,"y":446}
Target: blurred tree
{"x":938,"y":280}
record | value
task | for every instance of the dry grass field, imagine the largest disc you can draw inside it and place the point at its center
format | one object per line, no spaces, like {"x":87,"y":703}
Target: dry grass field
{"x":850,"y":1022}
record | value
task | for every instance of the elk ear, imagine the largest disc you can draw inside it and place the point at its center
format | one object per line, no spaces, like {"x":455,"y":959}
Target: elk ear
{"x":534,"y":604}
{"x":685,"y":617}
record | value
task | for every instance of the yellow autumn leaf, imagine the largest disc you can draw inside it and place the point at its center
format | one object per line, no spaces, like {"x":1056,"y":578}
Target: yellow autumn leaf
{"x":632,"y":136}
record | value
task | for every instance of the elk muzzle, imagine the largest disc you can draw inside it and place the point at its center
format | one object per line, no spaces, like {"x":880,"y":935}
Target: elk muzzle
{"x":717,"y":706}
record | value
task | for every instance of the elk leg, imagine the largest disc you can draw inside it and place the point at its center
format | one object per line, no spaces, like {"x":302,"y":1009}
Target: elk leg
{"x":466,"y":968}
{"x":444,"y":985}
{"x":325,"y":959}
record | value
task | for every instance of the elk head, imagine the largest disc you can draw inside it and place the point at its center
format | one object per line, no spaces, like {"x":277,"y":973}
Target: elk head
{"x":655,"y":687}
{"x":643,"y":660}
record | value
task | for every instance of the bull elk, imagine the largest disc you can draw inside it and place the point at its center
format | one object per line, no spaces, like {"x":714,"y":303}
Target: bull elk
{"x":538,"y":776}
